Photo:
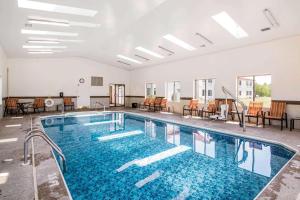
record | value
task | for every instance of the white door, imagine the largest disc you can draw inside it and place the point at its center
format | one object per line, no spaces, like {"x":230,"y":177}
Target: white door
{"x":83,"y":94}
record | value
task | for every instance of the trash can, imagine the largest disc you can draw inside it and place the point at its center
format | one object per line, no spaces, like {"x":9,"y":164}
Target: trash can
{"x":134,"y":105}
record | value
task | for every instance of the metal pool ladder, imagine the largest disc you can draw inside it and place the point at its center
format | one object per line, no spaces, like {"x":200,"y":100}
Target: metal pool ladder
{"x":39,"y":133}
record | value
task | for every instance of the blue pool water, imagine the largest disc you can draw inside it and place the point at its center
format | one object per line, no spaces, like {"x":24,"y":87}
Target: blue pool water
{"x":122,"y":156}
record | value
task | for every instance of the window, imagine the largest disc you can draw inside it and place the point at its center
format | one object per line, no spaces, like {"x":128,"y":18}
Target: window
{"x":204,"y":90}
{"x":150,"y":90}
{"x":173,"y":91}
{"x":255,"y":88}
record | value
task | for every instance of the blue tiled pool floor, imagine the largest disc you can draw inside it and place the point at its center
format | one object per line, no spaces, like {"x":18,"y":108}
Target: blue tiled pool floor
{"x":121,"y":156}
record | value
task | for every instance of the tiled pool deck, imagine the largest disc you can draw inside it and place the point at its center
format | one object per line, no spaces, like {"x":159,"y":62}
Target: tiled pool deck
{"x":19,"y":181}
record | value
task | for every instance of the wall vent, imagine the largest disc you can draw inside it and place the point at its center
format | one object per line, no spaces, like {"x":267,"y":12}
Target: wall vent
{"x":96,"y":81}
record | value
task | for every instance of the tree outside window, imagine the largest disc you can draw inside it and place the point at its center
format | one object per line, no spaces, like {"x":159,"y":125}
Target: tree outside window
{"x":255,"y":88}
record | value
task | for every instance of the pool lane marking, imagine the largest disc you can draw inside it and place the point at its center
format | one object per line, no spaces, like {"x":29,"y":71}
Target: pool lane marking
{"x":154,"y":158}
{"x":184,"y":194}
{"x":126,"y":165}
{"x":162,"y":155}
{"x":148,"y":179}
{"x":103,"y":122}
{"x":120,"y":135}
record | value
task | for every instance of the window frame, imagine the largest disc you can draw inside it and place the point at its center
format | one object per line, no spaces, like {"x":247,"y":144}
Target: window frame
{"x":206,"y":82}
{"x":252,"y":84}
{"x":153,"y":89}
{"x":174,"y":90}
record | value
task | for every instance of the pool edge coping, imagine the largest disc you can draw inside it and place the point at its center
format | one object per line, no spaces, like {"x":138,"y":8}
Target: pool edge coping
{"x":233,"y":133}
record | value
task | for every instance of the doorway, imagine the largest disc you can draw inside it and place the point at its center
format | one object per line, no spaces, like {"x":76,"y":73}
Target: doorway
{"x":116,"y":95}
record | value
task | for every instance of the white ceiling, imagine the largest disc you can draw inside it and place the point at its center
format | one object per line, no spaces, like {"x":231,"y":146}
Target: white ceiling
{"x":126,"y":24}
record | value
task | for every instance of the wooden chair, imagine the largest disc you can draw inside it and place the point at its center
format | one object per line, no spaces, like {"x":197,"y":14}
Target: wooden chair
{"x":255,"y":110}
{"x":150,"y":103}
{"x":38,"y":104}
{"x":156,"y":104}
{"x":11,"y":106}
{"x":163,"y":104}
{"x":68,"y":103}
{"x":193,"y":106}
{"x":277,"y":112}
{"x":210,"y":110}
{"x":145,"y":103}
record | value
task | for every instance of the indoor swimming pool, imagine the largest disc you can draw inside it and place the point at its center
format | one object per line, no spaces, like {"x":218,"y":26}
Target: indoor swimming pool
{"x":125,"y":156}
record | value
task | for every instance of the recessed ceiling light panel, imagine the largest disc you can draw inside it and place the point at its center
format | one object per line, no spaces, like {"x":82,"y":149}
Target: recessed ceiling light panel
{"x":179,"y":42}
{"x":38,"y":32}
{"x":42,"y":42}
{"x":129,"y":59}
{"x":40,"y":52}
{"x":142,"y":49}
{"x":224,"y":20}
{"x":43,"y":47}
{"x":55,"y":39}
{"x":36,"y":5}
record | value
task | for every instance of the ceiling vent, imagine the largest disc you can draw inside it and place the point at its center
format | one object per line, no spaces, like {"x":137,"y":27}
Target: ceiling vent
{"x":271,"y":19}
{"x":142,"y":57}
{"x":124,"y":63}
{"x":166,"y":50}
{"x":205,"y":39}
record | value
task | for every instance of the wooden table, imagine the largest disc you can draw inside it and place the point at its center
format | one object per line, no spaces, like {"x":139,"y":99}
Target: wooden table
{"x":22,"y":106}
{"x":292,"y":122}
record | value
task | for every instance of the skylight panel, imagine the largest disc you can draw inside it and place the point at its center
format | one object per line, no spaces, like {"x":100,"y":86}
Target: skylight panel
{"x":224,"y":20}
{"x":129,"y":59}
{"x":35,"y":5}
{"x":43,"y":47}
{"x":42,"y":42}
{"x":179,"y":42}
{"x":38,"y":32}
{"x":149,"y":52}
{"x":59,"y":22}
{"x":40,"y":52}
{"x":54,"y":39}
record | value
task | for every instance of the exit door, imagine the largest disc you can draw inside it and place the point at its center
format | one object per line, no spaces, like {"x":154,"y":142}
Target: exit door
{"x":117,"y":95}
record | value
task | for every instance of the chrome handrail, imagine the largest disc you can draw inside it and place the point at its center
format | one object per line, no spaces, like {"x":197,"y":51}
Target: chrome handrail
{"x":101,"y":104}
{"x":49,"y":142}
{"x":227,"y":92}
{"x":40,"y":131}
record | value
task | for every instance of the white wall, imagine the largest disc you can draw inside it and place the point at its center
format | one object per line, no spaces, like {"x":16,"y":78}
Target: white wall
{"x":3,"y":60}
{"x":48,"y":77}
{"x":280,"y":58}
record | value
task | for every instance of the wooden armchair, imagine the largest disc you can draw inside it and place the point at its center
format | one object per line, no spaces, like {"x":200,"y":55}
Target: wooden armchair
{"x":39,"y":103}
{"x":255,"y":110}
{"x":193,"y":106}
{"x":145,"y":103}
{"x":163,"y":104}
{"x":156,"y":104}
{"x":68,"y":103}
{"x":11,"y":106}
{"x":277,"y":112}
{"x":210,"y":110}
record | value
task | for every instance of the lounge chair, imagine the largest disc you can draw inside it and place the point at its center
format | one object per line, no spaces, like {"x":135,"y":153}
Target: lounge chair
{"x":277,"y":112}
{"x":11,"y":106}
{"x":39,"y":103}
{"x":211,"y":109}
{"x":193,"y":106}
{"x":68,"y":103}
{"x":255,"y":110}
